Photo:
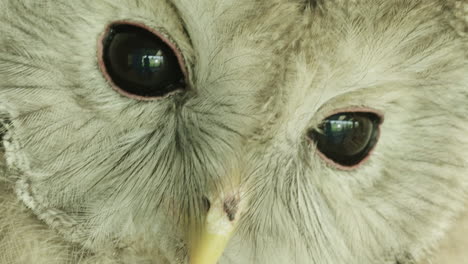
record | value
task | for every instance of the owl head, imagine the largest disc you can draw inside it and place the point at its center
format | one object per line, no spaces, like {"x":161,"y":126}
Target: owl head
{"x":192,"y":131}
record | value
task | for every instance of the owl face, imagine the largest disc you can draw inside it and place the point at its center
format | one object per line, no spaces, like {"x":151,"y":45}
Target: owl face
{"x":282,"y":131}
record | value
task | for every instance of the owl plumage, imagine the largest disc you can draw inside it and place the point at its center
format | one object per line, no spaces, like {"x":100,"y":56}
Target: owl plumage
{"x":94,"y":176}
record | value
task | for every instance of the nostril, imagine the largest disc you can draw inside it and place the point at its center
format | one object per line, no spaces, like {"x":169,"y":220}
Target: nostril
{"x":206,"y":203}
{"x":231,"y":207}
{"x":222,"y":207}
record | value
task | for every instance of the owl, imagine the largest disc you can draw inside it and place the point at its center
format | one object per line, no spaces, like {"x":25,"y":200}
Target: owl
{"x":231,"y":131}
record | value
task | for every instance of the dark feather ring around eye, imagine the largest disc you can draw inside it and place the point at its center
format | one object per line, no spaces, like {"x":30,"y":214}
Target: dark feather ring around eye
{"x":139,"y":62}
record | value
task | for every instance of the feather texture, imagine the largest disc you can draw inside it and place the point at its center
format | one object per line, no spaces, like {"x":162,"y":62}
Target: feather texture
{"x":91,"y":176}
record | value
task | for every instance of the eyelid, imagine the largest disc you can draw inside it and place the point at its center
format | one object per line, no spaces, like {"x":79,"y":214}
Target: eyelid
{"x":357,"y":109}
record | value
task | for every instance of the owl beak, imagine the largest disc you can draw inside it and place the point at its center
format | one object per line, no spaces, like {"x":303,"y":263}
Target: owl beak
{"x":220,"y":223}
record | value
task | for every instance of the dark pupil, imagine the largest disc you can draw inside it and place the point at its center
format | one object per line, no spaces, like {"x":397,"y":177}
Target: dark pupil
{"x":347,"y":138}
{"x":140,"y":63}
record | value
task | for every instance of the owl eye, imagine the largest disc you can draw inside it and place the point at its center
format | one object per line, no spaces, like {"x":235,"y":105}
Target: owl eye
{"x":140,"y":63}
{"x":347,"y":138}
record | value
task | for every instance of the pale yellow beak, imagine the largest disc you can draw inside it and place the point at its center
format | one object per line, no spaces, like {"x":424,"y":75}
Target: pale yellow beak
{"x":209,"y":246}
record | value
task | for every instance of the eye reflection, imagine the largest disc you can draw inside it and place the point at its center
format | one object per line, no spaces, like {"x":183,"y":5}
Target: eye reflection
{"x":146,"y":61}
